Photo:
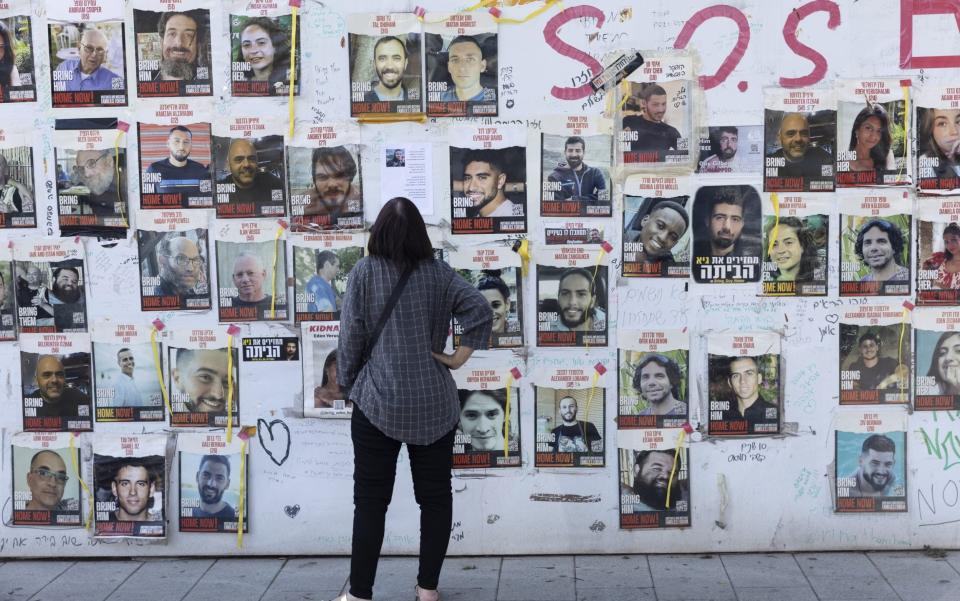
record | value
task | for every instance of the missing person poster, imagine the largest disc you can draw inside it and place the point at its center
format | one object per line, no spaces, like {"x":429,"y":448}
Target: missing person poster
{"x":653,"y":374}
{"x":488,"y":434}
{"x":726,"y":235}
{"x":323,"y":170}
{"x":322,"y":395}
{"x":800,"y":135}
{"x":572,"y":296}
{"x":654,"y":480}
{"x":175,"y":156}
{"x":18,"y":208}
{"x":406,"y":169}
{"x":173,"y":48}
{"x":732,"y":149}
{"x":55,"y":382}
{"x":576,"y":154}
{"x":8,"y":295}
{"x":488,"y":175}
{"x":495,"y":271}
{"x":50,"y":281}
{"x":87,"y":62}
{"x":938,"y":251}
{"x":174,"y":256}
{"x":385,"y":58}
{"x":937,"y":365}
{"x":570,"y":414}
{"x":873,"y":141}
{"x":656,"y":227}
{"x":796,"y":245}
{"x":214,"y":487}
{"x":126,"y":386}
{"x":875,"y":355}
{"x":575,"y":232}
{"x":321,"y":266}
{"x":745,"y":389}
{"x":204,"y":384}
{"x":252,"y":271}
{"x":655,"y":121}
{"x":18,"y":80}
{"x":875,"y":243}
{"x":129,"y":485}
{"x":46,"y":485}
{"x":261,"y":49}
{"x":93,"y":200}
{"x":461,"y":57}
{"x":248,"y":167}
{"x":270,"y":348}
{"x":870,"y":462}
{"x":938,"y":139}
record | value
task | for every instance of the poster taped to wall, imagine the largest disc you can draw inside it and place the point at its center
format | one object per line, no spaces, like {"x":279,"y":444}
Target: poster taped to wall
{"x":875,"y":243}
{"x":322,"y":395}
{"x":656,"y":227}
{"x":731,"y":149}
{"x":46,"y":485}
{"x":260,"y":50}
{"x":202,"y":378}
{"x":488,"y":434}
{"x":744,"y":383}
{"x":210,"y":491}
{"x":130,"y":485}
{"x":938,"y":252}
{"x":173,"y":49}
{"x":796,"y":246}
{"x":18,"y":207}
{"x":55,"y":382}
{"x":938,"y":151}
{"x":800,"y":135}
{"x":176,"y":156}
{"x":20,"y":83}
{"x":575,"y":232}
{"x":576,"y":154}
{"x":937,"y":365}
{"x":50,"y":282}
{"x":251,"y":271}
{"x":570,"y":414}
{"x":323,"y":170}
{"x":385,"y":57}
{"x":494,"y":270}
{"x":125,"y":384}
{"x":249,"y":167}
{"x":174,"y":257}
{"x":8,"y":295}
{"x":653,"y":379}
{"x":726,"y":226}
{"x":873,"y":144}
{"x":572,"y":296}
{"x":654,"y":480}
{"x":321,"y":265}
{"x":875,"y":355}
{"x":461,"y":57}
{"x":870,"y":462}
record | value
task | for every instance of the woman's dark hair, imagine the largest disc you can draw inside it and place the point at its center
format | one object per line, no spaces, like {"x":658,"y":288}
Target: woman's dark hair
{"x":399,"y":234}
{"x":280,"y":70}
{"x":9,"y":56}
{"x":879,"y":152}
{"x":808,"y":257}
{"x":934,"y":370}
{"x":331,"y":359}
{"x":954,"y":229}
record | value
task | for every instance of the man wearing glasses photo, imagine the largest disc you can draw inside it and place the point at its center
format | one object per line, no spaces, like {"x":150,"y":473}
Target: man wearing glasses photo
{"x":96,"y":171}
{"x":181,"y":267}
{"x":47,"y":480}
{"x":86,"y":72}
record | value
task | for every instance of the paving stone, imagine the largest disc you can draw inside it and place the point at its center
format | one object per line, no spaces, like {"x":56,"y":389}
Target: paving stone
{"x":166,"y":579}
{"x":778,"y":593}
{"x":20,"y":580}
{"x":537,"y":579}
{"x":236,"y":580}
{"x":87,"y":581}
{"x":396,"y":577}
{"x":616,"y":594}
{"x":845,"y":577}
{"x":690,"y":578}
{"x":612,"y":572}
{"x":311,"y":574}
{"x":763,"y":570}
{"x":917,"y":576}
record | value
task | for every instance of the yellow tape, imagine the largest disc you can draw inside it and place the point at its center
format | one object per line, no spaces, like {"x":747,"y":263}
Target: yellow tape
{"x":273,"y":284}
{"x":293,"y":65}
{"x":393,"y":118}
{"x":242,"y":505}
{"x":625,"y":92}
{"x":775,"y":201}
{"x":535,"y":13}
{"x":229,"y":387}
{"x":506,"y":419}
{"x":86,"y":489}
{"x":676,"y":460}
{"x":157,"y":366}
{"x":116,"y":168}
{"x":524,"y":252}
{"x":596,"y":268}
{"x":906,"y":129}
{"x":904,"y":318}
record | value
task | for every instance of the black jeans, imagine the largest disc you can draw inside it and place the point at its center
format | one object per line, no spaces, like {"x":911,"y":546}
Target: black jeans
{"x":374,"y":471}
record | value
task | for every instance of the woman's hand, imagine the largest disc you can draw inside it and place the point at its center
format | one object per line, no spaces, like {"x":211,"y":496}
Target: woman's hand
{"x":455,"y":360}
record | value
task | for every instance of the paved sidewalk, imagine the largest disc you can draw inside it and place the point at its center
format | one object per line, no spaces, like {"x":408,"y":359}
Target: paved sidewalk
{"x":893,"y":576}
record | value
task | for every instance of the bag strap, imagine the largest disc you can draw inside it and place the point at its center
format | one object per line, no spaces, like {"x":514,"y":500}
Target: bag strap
{"x":387,"y":310}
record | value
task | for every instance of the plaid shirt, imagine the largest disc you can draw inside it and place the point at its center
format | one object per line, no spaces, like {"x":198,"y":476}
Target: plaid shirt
{"x":406,"y":393}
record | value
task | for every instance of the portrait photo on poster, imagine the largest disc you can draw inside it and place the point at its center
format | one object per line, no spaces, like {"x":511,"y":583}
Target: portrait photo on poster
{"x":200,"y":386}
{"x":938,"y":261}
{"x":503,"y":290}
{"x":482,"y":433}
{"x":461,"y":65}
{"x":744,"y":394}
{"x":18,"y":81}
{"x":129,"y":494}
{"x":938,"y":148}
{"x":326,"y":191}
{"x":260,"y":54}
{"x":8,"y":299}
{"x":653,"y":388}
{"x":250,"y":175}
{"x":727,"y":235}
{"x":731,"y":149}
{"x":87,"y":63}
{"x":46,"y":486}
{"x":18,"y":208}
{"x":50,"y":296}
{"x":327,"y":400}
{"x":875,"y":363}
{"x":872,"y":143}
{"x":875,"y":255}
{"x":209,"y":491}
{"x":937,"y":370}
{"x":795,"y":255}
{"x":126,"y":388}
{"x":655,"y":122}
{"x":870,"y":471}
{"x":174,"y":270}
{"x":385,"y":64}
{"x":656,"y":240}
{"x":175,"y":162}
{"x":570,"y":427}
{"x":488,"y":191}
{"x":646,"y":476}
{"x":173,"y":53}
{"x":252,"y":286}
{"x":320,"y":280}
{"x":800,"y":150}
{"x":575,"y":172}
{"x":55,"y":387}
{"x":572,"y":306}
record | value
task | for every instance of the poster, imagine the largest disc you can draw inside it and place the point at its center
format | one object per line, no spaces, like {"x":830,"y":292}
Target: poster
{"x":213,"y":482}
{"x":875,"y":355}
{"x":18,"y":79}
{"x":271,"y":348}
{"x":736,"y":149}
{"x":249,"y":167}
{"x":260,"y":50}
{"x":494,"y":270}
{"x":87,"y":62}
{"x":204,"y":384}
{"x":744,"y":383}
{"x":570,"y":416}
{"x":488,"y":175}
{"x":488,"y":434}
{"x":92,"y":201}
{"x":8,"y":295}
{"x":126,"y":386}
{"x":406,"y":169}
{"x":174,"y":255}
{"x":55,"y":382}
{"x":800,"y":135}
{"x":18,"y":208}
{"x":653,"y":379}
{"x":873,"y":141}
{"x":173,"y":49}
{"x":130,"y":485}
{"x":656,"y":227}
{"x":326,"y":183}
{"x":322,"y":395}
{"x":655,"y":120}
{"x":572,"y":296}
{"x":385,"y":58}
{"x":50,"y":281}
{"x":937,"y":365}
{"x":938,"y":140}
{"x":576,"y":154}
{"x":251,"y":271}
{"x":875,"y":243}
{"x":321,"y":266}
{"x":176,"y":156}
{"x":726,"y":235}
{"x":575,"y":232}
{"x":938,"y":252}
{"x":461,"y":58}
{"x":870,"y":462}
{"x":654,"y":480}
{"x":796,"y":246}
{"x":46,"y":486}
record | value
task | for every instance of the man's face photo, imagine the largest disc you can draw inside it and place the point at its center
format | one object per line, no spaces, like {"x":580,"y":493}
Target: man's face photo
{"x":248,"y":276}
{"x":182,"y":267}
{"x":794,"y":136}
{"x":133,"y":489}
{"x":877,"y":468}
{"x":745,"y":378}
{"x":290,"y":349}
{"x":573,"y":153}
{"x":330,"y":269}
{"x":95,"y":170}
{"x":398,"y":155}
{"x":568,"y":409}
{"x":126,"y":362}
{"x":660,"y":231}
{"x":390,"y":61}
{"x":179,"y":143}
{"x":654,"y":475}
{"x":728,"y":145}
{"x":576,"y":299}
{"x":93,"y":50}
{"x":332,"y":187}
{"x":877,"y":250}
{"x":465,"y":64}
{"x":51,"y":378}
{"x":204,"y":380}
{"x":66,"y":286}
{"x":726,"y":223}
{"x":654,"y":383}
{"x":242,"y":161}
{"x":869,"y":349}
{"x":46,"y":479}
{"x":212,"y":479}
{"x":482,"y":182}
{"x":179,"y":44}
{"x":656,"y":107}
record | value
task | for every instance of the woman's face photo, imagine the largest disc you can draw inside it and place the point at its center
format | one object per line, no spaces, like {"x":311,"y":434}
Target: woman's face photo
{"x":948,"y":362}
{"x":482,"y":418}
{"x":952,"y":243}
{"x":500,"y":307}
{"x":946,"y":130}
{"x":787,"y":250}
{"x":257,"y":48}
{"x":869,"y":133}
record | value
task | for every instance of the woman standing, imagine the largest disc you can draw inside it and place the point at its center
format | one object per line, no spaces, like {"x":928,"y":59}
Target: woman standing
{"x":402,"y":388}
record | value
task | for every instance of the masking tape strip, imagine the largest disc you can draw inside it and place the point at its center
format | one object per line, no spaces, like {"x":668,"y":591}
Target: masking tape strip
{"x":86,"y":489}
{"x":157,"y":366}
{"x":229,"y":387}
{"x":273,"y":284}
{"x":242,"y":505}
{"x":673,"y":470}
{"x":293,"y":65}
